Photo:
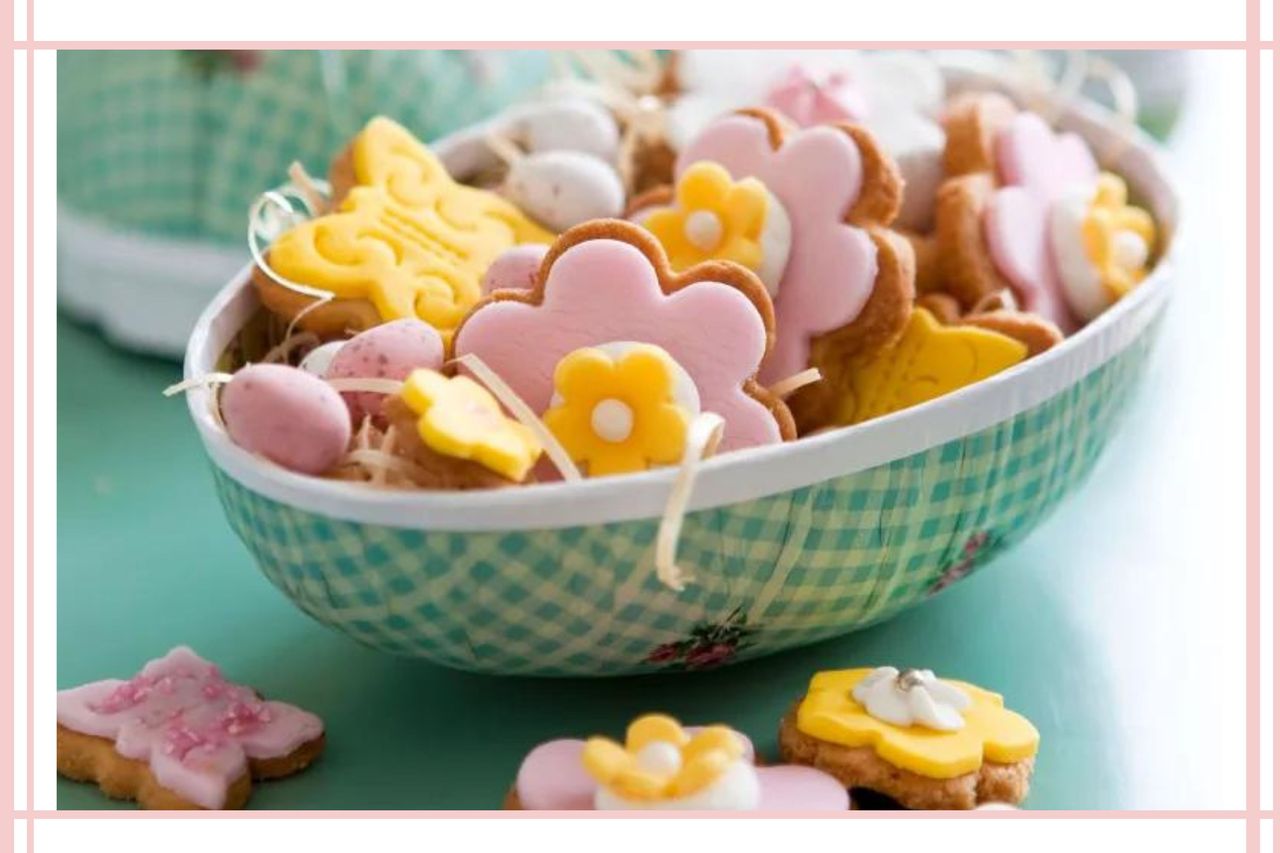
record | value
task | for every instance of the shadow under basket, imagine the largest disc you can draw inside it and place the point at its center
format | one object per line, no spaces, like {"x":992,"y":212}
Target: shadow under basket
{"x":787,"y":545}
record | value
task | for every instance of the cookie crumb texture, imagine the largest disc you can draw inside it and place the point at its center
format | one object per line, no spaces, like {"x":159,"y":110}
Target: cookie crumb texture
{"x":860,"y":767}
{"x":87,"y":758}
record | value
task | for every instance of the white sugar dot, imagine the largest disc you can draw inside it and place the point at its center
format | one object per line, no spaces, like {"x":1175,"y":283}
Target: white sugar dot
{"x":659,"y":757}
{"x":1130,"y":249}
{"x":703,"y":229}
{"x":612,"y":420}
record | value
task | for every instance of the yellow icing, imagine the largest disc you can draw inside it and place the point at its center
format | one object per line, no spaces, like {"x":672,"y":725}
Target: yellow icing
{"x":459,"y":417}
{"x":703,"y":758}
{"x":406,"y":237}
{"x":740,"y":207}
{"x":928,"y":361}
{"x":830,"y":713}
{"x":1109,"y":215}
{"x":644,"y":381}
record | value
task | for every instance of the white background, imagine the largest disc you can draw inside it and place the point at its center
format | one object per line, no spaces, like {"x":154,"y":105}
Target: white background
{"x":134,"y":19}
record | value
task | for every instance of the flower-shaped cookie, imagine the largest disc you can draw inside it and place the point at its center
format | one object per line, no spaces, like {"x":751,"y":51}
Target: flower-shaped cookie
{"x":990,"y":732}
{"x":716,"y":218}
{"x":621,"y":407}
{"x":609,"y":281}
{"x":403,"y":240}
{"x":660,"y":761}
{"x":847,"y":276}
{"x":928,"y":361}
{"x":993,"y":229}
{"x":460,"y":418}
{"x":663,"y":765}
{"x":896,"y":95}
{"x":1101,"y":244}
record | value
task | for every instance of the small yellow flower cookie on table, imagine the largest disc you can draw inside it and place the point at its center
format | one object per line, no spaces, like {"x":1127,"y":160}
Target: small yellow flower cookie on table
{"x":925,"y":742}
{"x":456,"y":434}
{"x":621,"y":407}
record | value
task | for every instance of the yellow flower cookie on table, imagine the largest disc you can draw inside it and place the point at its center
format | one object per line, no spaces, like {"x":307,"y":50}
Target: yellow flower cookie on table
{"x":923,"y":741}
{"x":403,"y":240}
{"x":715,"y":218}
{"x":1102,"y":244}
{"x":621,"y":407}
{"x":928,"y":361}
{"x":457,"y":435}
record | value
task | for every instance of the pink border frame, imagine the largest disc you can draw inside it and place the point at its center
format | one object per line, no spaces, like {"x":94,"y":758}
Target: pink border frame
{"x":1252,"y":46}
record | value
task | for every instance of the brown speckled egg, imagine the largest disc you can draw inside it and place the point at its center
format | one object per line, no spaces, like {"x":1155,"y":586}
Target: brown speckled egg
{"x":390,"y":351}
{"x":287,"y":415}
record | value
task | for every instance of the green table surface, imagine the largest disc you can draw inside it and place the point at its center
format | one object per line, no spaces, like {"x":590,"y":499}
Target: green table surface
{"x":1116,"y":626}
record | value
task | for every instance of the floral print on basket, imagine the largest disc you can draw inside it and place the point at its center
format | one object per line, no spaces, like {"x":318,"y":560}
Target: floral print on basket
{"x":708,"y":645}
{"x":979,"y":545}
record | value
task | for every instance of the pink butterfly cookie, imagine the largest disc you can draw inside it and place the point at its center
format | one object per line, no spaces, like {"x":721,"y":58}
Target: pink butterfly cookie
{"x":179,"y":736}
{"x":608,"y":282}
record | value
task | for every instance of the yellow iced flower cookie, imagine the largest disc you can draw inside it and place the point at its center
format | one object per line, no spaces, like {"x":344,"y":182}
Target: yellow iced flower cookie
{"x":1101,"y":243}
{"x":924,"y":741}
{"x":621,"y":407}
{"x":661,"y":763}
{"x":716,"y":218}
{"x":405,"y":240}
{"x":928,"y":361}
{"x":457,"y":417}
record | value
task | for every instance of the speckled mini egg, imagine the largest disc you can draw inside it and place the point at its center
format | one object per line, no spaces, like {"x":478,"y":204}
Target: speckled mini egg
{"x":514,"y":269}
{"x":390,"y":351}
{"x":287,"y":415}
{"x":561,"y":189}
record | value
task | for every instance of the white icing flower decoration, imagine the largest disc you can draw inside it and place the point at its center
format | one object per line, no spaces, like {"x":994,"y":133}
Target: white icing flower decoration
{"x":912,"y":697}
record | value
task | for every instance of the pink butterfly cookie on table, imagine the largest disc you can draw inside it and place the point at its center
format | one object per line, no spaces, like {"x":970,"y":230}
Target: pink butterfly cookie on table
{"x":606,"y":286}
{"x":847,"y":281}
{"x":180,"y":736}
{"x":1009,"y":172}
{"x":662,"y":765}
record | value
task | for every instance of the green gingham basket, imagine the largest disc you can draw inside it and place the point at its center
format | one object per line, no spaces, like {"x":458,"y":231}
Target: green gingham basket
{"x":788,"y":545}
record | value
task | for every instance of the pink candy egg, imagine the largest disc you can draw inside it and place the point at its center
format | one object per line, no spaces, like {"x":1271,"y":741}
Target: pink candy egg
{"x":514,"y":269}
{"x":390,"y":351}
{"x":287,"y":415}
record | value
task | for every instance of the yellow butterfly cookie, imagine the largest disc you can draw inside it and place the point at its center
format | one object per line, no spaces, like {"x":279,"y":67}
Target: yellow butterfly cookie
{"x":928,"y":361}
{"x":403,"y":241}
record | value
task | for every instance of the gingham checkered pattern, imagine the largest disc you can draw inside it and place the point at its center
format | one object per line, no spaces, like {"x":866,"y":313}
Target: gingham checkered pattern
{"x":802,"y":565}
{"x":170,"y":143}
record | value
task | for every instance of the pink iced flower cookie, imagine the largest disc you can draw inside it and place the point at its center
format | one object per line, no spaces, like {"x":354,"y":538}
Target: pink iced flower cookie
{"x":1009,"y":171}
{"x":606,"y":284}
{"x":664,"y":766}
{"x":847,"y":281}
{"x":180,"y":736}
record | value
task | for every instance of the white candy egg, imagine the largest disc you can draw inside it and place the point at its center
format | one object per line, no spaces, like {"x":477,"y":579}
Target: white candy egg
{"x":570,"y":125}
{"x":318,"y":360}
{"x":561,"y":189}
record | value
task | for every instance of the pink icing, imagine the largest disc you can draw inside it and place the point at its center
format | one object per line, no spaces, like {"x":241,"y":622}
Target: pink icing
{"x":817,"y":175}
{"x":810,"y":97}
{"x":194,"y":728}
{"x":552,"y":778}
{"x":606,"y":290}
{"x":1035,"y":166}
